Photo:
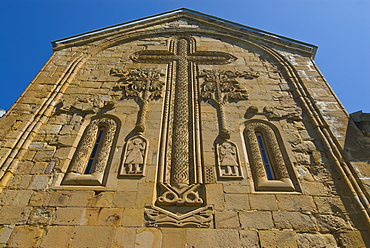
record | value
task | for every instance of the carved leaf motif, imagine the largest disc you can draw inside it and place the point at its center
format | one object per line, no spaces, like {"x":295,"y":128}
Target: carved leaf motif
{"x":144,"y":84}
{"x":221,"y":86}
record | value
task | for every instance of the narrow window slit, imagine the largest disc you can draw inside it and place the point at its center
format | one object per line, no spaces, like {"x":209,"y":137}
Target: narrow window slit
{"x":265,"y":157}
{"x":89,"y":168}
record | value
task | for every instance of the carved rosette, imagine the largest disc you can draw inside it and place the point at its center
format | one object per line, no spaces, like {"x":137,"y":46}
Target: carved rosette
{"x":86,"y":145}
{"x":134,"y":157}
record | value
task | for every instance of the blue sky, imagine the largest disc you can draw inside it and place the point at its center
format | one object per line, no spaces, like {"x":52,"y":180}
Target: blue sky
{"x":340,"y":28}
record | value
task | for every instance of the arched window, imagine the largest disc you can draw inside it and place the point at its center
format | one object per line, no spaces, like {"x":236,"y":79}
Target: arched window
{"x":91,"y":158}
{"x":268,"y":166}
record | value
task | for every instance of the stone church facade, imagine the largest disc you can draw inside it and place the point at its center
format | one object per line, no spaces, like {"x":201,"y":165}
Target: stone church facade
{"x":182,"y":130}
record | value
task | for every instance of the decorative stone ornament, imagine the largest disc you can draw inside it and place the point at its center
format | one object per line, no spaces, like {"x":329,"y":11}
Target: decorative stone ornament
{"x":89,"y":154}
{"x":134,"y":158}
{"x":228,"y":165}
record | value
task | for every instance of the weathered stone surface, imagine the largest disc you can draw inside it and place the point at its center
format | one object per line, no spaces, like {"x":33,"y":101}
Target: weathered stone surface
{"x":295,"y":203}
{"x":103,"y":217}
{"x":92,"y":236}
{"x":69,"y":216}
{"x":293,"y":220}
{"x":263,"y":202}
{"x":249,"y":239}
{"x":41,"y":216}
{"x":277,"y":239}
{"x":236,"y":201}
{"x":124,"y":237}
{"x":193,"y":109}
{"x":148,"y":237}
{"x":210,"y":238}
{"x":25,"y":236}
{"x":174,"y":237}
{"x":256,"y":220}
{"x":226,"y":219}
{"x":316,"y":240}
{"x":57,"y":236}
{"x":5,"y":232}
{"x":14,"y":214}
{"x":132,"y":217}
{"x":351,"y":239}
{"x":124,"y":199}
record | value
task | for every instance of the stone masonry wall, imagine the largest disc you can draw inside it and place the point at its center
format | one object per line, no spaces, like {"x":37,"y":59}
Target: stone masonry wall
{"x":38,"y":210}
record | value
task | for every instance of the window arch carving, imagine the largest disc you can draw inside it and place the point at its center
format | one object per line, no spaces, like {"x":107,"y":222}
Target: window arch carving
{"x":92,"y":155}
{"x":265,"y":153}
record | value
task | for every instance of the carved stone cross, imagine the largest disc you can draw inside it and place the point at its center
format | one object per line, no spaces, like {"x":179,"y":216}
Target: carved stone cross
{"x":182,"y":56}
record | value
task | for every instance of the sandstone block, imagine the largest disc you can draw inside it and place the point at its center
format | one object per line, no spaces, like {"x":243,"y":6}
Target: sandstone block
{"x":92,"y":236}
{"x":315,"y":240}
{"x":25,"y":236}
{"x":226,"y":219}
{"x":127,"y":185}
{"x":40,"y":182}
{"x":20,"y":181}
{"x":295,"y":203}
{"x":69,"y":216}
{"x":14,"y":214}
{"x":22,"y":198}
{"x":124,"y":199}
{"x":173,"y":237}
{"x":41,"y":216}
{"x":124,"y":237}
{"x":210,"y":238}
{"x":278,"y":239}
{"x":103,"y":199}
{"x":248,"y":238}
{"x":215,"y":195}
{"x":7,"y":197}
{"x":237,"y":201}
{"x":57,"y":236}
{"x":59,"y":198}
{"x":80,"y":198}
{"x":38,"y":198}
{"x":329,"y":205}
{"x":256,"y":220}
{"x":351,"y":239}
{"x":293,"y":220}
{"x":148,"y":237}
{"x":330,"y":223}
{"x":144,"y":194}
{"x":103,"y":216}
{"x":236,"y":187}
{"x":263,"y":202}
{"x":132,"y":217}
{"x":39,"y":168}
{"x":5,"y":232}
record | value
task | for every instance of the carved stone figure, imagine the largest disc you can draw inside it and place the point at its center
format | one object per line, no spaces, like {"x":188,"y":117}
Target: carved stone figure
{"x":134,"y":157}
{"x":228,"y":161}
